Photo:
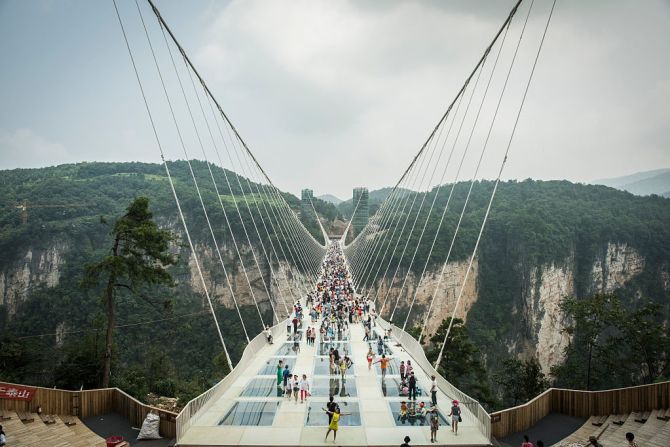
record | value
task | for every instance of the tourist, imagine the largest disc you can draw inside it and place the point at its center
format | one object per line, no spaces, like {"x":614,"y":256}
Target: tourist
{"x":380,"y":346}
{"x":455,"y":416}
{"x":433,"y":390}
{"x":631,"y":440}
{"x":409,"y":368}
{"x":295,"y":322}
{"x":334,"y":422}
{"x":539,"y":444}
{"x":367,"y":334}
{"x":383,"y":363}
{"x":403,"y":410}
{"x":423,"y":411}
{"x":406,"y":443}
{"x":593,"y":441}
{"x":402,"y":370}
{"x":279,"y":373}
{"x":296,"y":387}
{"x":304,"y":388}
{"x":412,"y":386}
{"x":526,"y":442}
{"x":3,"y":437}
{"x":331,"y":406}
{"x":286,"y":377}
{"x":288,"y":326}
{"x":296,"y":342}
{"x":343,"y":367}
{"x":370,"y":356}
{"x":268,"y":334}
{"x":434,"y":424}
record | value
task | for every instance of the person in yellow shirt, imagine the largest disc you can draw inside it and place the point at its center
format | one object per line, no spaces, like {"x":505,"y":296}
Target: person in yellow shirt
{"x":334,"y":422}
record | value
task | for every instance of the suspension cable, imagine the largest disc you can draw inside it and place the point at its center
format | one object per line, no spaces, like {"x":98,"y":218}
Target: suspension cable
{"x":172,"y":188}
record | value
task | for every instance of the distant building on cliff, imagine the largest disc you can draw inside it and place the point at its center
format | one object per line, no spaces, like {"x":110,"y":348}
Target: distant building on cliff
{"x":361,"y":209}
{"x":306,"y":202}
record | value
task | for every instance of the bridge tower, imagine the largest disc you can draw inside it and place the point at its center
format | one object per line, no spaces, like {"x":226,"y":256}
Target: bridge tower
{"x":360,"y":203}
{"x":306,"y":202}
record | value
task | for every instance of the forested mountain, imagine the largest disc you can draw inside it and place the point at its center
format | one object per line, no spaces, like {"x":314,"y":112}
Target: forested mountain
{"x":45,"y":247}
{"x":544,"y":241}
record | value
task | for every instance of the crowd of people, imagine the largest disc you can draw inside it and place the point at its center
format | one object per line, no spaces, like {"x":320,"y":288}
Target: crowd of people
{"x":330,"y":311}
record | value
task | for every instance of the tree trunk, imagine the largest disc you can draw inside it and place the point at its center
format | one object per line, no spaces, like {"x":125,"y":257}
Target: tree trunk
{"x":109,"y":338}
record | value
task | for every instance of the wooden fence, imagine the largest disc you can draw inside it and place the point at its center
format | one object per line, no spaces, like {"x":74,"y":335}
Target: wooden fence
{"x":580,"y":404}
{"x":87,"y":403}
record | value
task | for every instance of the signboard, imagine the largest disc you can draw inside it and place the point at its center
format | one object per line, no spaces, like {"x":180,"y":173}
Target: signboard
{"x":16,"y":392}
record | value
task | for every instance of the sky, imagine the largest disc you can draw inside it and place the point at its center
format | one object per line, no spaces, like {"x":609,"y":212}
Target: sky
{"x":331,"y":95}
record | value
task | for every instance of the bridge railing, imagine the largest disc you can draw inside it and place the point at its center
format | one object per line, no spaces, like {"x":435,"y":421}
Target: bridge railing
{"x":203,"y":401}
{"x":482,"y":419}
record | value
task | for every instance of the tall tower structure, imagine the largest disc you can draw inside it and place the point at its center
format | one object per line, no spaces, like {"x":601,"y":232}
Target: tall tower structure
{"x":306,"y":202}
{"x":360,"y":204}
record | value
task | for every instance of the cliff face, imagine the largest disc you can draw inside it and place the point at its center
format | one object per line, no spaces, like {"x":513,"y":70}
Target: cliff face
{"x":33,"y":268}
{"x":283,"y":285}
{"x":536,"y":314}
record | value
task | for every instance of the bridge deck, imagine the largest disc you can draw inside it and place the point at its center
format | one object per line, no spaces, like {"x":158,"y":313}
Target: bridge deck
{"x":273,"y":420}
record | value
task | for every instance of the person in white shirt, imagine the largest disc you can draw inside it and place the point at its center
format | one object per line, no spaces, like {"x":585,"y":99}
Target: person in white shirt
{"x":433,"y":390}
{"x":304,"y":388}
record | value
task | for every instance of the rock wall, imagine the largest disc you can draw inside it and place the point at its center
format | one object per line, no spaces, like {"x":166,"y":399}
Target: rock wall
{"x":34,"y":268}
{"x":445,"y":296}
{"x":283,"y":286}
{"x":549,"y":284}
{"x":541,"y":322}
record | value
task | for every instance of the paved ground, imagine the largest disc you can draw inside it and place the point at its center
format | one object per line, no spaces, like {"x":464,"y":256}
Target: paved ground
{"x":550,"y":429}
{"x":112,"y":424}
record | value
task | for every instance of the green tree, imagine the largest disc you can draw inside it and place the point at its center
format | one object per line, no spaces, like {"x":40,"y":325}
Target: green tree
{"x":520,"y":380}
{"x":138,"y":257}
{"x":593,"y":324}
{"x":648,"y":342}
{"x":461,"y":363}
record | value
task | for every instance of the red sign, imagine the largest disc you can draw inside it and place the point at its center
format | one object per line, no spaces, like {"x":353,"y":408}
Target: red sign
{"x":16,"y":392}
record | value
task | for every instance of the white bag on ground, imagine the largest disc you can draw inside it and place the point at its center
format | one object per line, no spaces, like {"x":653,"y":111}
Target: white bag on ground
{"x":150,"y":427}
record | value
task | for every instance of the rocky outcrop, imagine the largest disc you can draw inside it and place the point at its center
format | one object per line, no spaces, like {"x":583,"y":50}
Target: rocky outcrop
{"x":549,"y":284}
{"x":34,"y":268}
{"x":446,"y":295}
{"x":618,"y":265}
{"x":283,"y":284}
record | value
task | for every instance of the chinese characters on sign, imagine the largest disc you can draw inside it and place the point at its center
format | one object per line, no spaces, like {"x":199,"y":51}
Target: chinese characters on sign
{"x":16,"y":392}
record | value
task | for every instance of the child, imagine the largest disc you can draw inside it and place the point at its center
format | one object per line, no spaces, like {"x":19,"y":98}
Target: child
{"x":434,"y":424}
{"x":371,"y":356}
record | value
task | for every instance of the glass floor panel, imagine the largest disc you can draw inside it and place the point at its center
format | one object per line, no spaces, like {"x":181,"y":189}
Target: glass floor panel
{"x":270,"y":368}
{"x":414,"y":420}
{"x":251,"y":413}
{"x":391,"y":386}
{"x":316,"y":417}
{"x":336,"y":337}
{"x":334,"y":386}
{"x":262,"y":387}
{"x":285,"y":349}
{"x":343,"y":347}
{"x":322,"y":367}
